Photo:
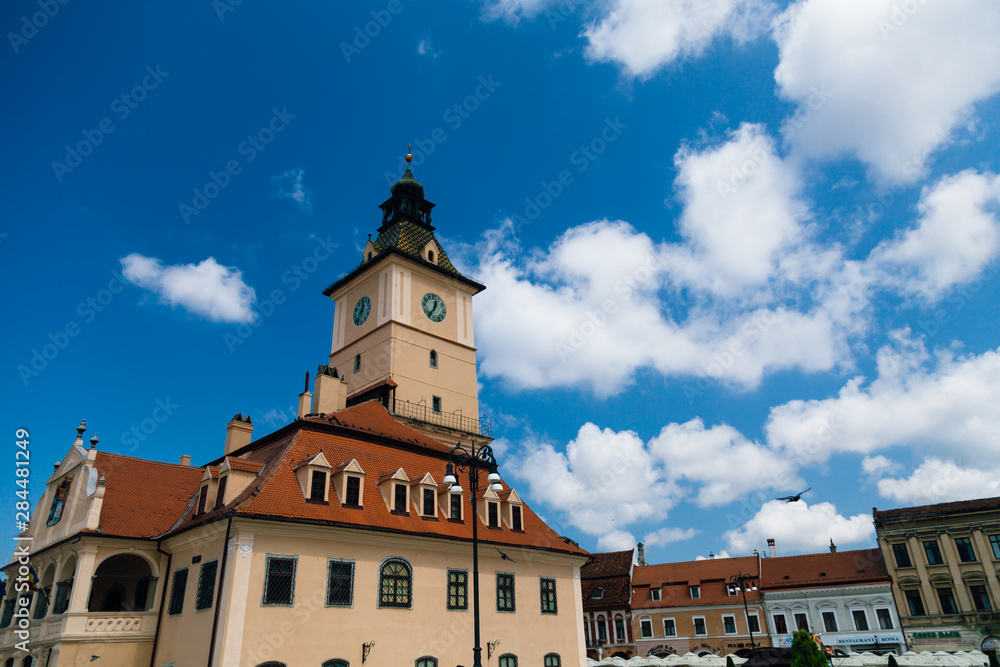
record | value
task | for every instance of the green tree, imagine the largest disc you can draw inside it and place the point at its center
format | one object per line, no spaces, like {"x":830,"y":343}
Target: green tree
{"x":892,"y":661}
{"x":805,"y":651}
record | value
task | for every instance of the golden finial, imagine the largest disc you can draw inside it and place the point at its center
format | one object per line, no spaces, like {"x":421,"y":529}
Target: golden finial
{"x":409,"y":158}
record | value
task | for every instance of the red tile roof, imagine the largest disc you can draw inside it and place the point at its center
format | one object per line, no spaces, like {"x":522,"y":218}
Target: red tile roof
{"x":244,"y":465}
{"x":381,"y":446}
{"x":674,"y":580}
{"x":143,"y":498}
{"x":824,"y":569}
{"x":610,"y":573}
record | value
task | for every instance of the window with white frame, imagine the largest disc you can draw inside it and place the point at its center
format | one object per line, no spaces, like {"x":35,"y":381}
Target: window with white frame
{"x":695,"y":592}
{"x":780,"y":627}
{"x":860,"y":620}
{"x":884,"y":619}
{"x":829,"y":621}
{"x":729,"y":624}
{"x":753,"y":622}
{"x":699,"y":625}
{"x":654,"y":593}
{"x":669,"y":627}
{"x":646,"y":627}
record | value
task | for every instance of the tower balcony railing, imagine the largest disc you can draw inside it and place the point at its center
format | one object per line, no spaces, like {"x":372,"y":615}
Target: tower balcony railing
{"x":423,"y":413}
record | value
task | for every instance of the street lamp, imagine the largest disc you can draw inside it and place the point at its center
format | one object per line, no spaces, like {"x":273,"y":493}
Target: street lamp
{"x":745,"y":584}
{"x":473,"y":462}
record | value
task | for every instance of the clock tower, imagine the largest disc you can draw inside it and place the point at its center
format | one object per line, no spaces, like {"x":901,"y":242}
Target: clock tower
{"x":402,"y":327}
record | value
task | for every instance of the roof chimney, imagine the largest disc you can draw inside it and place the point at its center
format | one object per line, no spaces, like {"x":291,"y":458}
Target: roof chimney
{"x":641,"y":554}
{"x":833,"y":547}
{"x":331,"y":391}
{"x":239,"y":432}
{"x":771,"y":548}
{"x":711,"y":556}
{"x":305,"y":400}
{"x":185,"y":459}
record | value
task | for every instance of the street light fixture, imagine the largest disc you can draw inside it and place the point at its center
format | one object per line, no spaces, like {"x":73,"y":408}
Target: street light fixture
{"x":473,"y":462}
{"x":745,"y":583}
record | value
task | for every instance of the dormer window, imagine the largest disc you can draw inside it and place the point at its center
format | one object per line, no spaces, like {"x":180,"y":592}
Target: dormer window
{"x":369,"y":256}
{"x":220,"y":496}
{"x":494,"y":515}
{"x":598,"y":594}
{"x":654,"y":594}
{"x":399,"y":505}
{"x":695,"y":592}
{"x":202,"y":499}
{"x":430,"y":256}
{"x":456,"y":506}
{"x":515,"y":520}
{"x":317,"y":487}
{"x":353,"y":494}
{"x":313,"y":475}
{"x":429,"y":502}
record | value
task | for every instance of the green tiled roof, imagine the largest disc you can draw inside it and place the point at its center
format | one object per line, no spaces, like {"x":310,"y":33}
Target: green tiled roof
{"x":410,"y":238}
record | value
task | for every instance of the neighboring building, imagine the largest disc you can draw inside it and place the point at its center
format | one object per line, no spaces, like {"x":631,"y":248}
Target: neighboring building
{"x":607,"y":604}
{"x":943,"y":560}
{"x":690,"y":606}
{"x":332,"y":541}
{"x":844,"y":596}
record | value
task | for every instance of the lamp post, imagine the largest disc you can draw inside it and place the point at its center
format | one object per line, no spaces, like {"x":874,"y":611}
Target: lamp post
{"x":745,"y":583}
{"x":473,"y":462}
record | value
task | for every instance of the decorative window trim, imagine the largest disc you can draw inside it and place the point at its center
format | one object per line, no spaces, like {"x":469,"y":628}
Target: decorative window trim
{"x":326,"y":600}
{"x":784,"y":621}
{"x":542,"y":581}
{"x":378,"y":592}
{"x":694,"y":626}
{"x":655,"y":595}
{"x":426,"y":661}
{"x":174,"y":592}
{"x":888,"y":611}
{"x":694,"y":592}
{"x":267,"y":576}
{"x":336,"y":662}
{"x":507,"y":660}
{"x":854,"y":619}
{"x":447,"y":590}
{"x":645,"y":619}
{"x":724,"y":630}
{"x":513,"y":593}
{"x":756,"y":617}
{"x":199,"y":593}
{"x":552,"y":660}
{"x":673,"y":625}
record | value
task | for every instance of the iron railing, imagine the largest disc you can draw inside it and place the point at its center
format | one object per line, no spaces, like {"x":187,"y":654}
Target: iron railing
{"x":423,"y":413}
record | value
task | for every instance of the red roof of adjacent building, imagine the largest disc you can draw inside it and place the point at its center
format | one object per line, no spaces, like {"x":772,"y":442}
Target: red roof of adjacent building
{"x":143,"y":498}
{"x":675,"y":579}
{"x":607,"y":574}
{"x":957,"y":507}
{"x":824,"y":569}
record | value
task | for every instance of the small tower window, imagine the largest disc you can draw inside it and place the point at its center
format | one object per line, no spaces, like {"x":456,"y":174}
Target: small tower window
{"x":434,"y":359}
{"x":357,"y":363}
{"x":430,"y":256}
{"x":436,"y":404}
{"x":369,"y":256}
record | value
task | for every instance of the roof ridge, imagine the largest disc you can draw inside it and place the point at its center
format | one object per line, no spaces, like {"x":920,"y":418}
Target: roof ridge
{"x":136,"y":458}
{"x":260,"y":486}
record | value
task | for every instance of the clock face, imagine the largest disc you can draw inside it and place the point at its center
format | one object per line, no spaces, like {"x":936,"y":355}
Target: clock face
{"x":433,"y":307}
{"x":361,"y":310}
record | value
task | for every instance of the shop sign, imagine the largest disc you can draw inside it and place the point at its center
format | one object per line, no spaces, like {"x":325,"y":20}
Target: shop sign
{"x":893,"y":638}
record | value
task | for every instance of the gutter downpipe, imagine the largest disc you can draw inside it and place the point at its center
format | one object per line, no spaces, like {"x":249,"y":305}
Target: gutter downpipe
{"x":163,"y":602}
{"x":218,"y":595}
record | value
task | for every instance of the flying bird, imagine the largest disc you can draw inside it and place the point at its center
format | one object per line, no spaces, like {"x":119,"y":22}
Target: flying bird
{"x":504,"y":556}
{"x":794,"y":499}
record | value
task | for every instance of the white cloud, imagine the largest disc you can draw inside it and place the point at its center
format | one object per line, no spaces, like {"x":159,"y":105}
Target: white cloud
{"x":644,"y":35}
{"x":954,"y":238}
{"x":616,"y":540}
{"x":690,"y":452}
{"x":425,"y":48}
{"x":669,"y":535}
{"x":721,"y":554}
{"x":513,"y":11}
{"x":799,"y":527}
{"x":944,"y":404}
{"x":602,"y":482}
{"x":884,"y":82}
{"x":937,"y":480}
{"x":290,"y":187}
{"x":741,"y":213}
{"x":879,"y":465}
{"x":206,"y":289}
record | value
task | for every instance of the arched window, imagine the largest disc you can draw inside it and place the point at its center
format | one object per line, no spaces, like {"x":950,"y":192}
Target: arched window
{"x":27,"y":662}
{"x":508,"y":660}
{"x":434,"y":359}
{"x":357,"y":363}
{"x":427,"y":661}
{"x":271,"y":663}
{"x":395,"y":583}
{"x":336,"y":662}
{"x":430,"y":256}
{"x":121,"y":583}
{"x":553,"y":660}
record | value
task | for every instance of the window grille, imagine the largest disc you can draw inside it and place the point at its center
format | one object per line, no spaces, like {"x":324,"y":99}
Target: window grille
{"x":505,"y":592}
{"x":206,"y":584}
{"x":279,"y":580}
{"x":340,"y":583}
{"x":395,"y":582}
{"x":177,"y":591}
{"x":548,"y":592}
{"x":458,"y":589}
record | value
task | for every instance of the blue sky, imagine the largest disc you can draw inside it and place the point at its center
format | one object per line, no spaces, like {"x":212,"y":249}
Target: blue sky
{"x":731,"y":251}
